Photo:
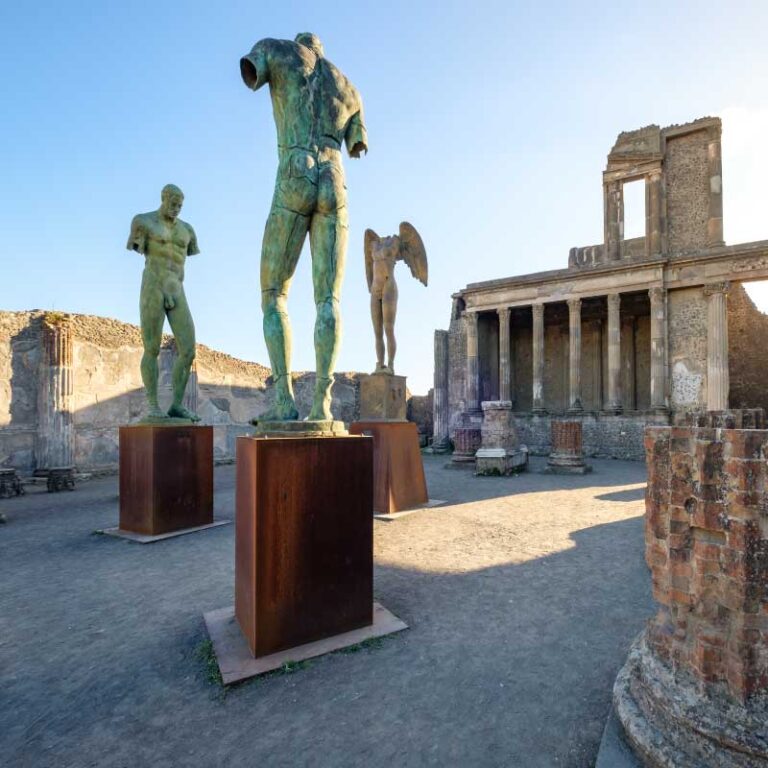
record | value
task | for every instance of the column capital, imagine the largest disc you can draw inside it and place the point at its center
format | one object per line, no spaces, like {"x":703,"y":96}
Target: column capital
{"x":657,"y":293}
{"x":538,"y":311}
{"x":504,"y":312}
{"x":614,"y":301}
{"x":574,"y":305}
{"x":721,"y":287}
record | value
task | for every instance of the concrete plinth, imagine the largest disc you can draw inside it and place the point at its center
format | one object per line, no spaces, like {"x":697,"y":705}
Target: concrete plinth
{"x":382,"y":396}
{"x":398,"y":471}
{"x":303,"y":539}
{"x":166,"y":478}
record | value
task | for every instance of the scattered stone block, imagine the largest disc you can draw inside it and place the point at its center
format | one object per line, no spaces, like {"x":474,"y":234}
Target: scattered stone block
{"x":500,"y":452}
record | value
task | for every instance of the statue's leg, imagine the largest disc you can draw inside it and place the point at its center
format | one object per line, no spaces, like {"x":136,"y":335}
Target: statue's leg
{"x":283,"y":239}
{"x":183,"y":327}
{"x":389,"y":311}
{"x":378,"y":329}
{"x":328,"y":239}
{"x":152,"y":313}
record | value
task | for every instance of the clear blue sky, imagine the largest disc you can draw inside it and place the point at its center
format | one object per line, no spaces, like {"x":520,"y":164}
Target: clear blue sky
{"x":489,"y":123}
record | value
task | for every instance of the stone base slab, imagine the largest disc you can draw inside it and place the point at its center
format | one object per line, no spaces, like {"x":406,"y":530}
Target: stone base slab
{"x":299,"y":428}
{"x":236,"y":662}
{"x":670,"y":722}
{"x":142,"y":538}
{"x":553,"y":468}
{"x":397,"y":515}
{"x":499,"y":461}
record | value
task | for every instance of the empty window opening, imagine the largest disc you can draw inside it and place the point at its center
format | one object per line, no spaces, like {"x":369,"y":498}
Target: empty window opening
{"x":634,"y":209}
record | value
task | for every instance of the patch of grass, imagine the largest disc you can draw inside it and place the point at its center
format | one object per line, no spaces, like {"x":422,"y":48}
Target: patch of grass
{"x":205,"y":653}
{"x":289,"y":666}
{"x":370,"y":644}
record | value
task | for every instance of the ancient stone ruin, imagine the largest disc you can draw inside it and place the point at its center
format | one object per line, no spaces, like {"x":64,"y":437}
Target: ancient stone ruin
{"x":693,"y":689}
{"x":634,"y":331}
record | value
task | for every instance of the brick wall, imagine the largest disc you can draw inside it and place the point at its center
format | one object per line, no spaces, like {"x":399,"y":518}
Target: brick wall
{"x":707,"y":548}
{"x":748,"y":370}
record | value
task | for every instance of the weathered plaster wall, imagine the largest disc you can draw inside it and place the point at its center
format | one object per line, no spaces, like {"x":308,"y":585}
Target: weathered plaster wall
{"x":687,"y":313}
{"x":687,"y":177}
{"x":108,"y":391}
{"x":746,"y":360}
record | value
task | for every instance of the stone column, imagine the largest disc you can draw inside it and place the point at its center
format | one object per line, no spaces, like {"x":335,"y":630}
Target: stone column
{"x":56,"y":430}
{"x":717,"y":346}
{"x":472,"y":397}
{"x":654,"y":228}
{"x":505,"y":367}
{"x":614,"y":219}
{"x":614,"y":353}
{"x":440,"y":415}
{"x":574,"y":369}
{"x":538,"y":358}
{"x":658,"y":349}
{"x":715,"y":170}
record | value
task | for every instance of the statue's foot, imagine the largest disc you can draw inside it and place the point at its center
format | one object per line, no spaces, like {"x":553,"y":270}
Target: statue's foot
{"x":381,"y":368}
{"x":321,"y":404}
{"x":282,"y":411}
{"x":180,"y":412}
{"x":155,"y":413}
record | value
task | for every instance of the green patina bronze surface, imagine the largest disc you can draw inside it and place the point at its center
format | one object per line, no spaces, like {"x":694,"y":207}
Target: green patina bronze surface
{"x":165,"y":241}
{"x":316,"y":110}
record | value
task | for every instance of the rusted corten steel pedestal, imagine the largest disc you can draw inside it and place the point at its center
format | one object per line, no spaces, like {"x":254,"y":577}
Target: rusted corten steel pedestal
{"x":166,"y":478}
{"x":398,"y":472}
{"x":303,"y":539}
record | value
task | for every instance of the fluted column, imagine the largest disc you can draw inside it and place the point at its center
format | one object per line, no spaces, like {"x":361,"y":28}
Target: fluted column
{"x":473,"y":367}
{"x":440,"y":416}
{"x":505,"y":367}
{"x":717,"y":346}
{"x":614,"y":353}
{"x":715,"y":170}
{"x":658,"y":348}
{"x":538,"y":358}
{"x":574,"y":368}
{"x":56,"y":430}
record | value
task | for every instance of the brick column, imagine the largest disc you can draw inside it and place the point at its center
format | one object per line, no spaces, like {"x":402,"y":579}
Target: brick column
{"x":717,"y":346}
{"x":56,"y":429}
{"x":440,"y":413}
{"x":614,"y":353}
{"x":472,"y":398}
{"x":658,"y":349}
{"x":505,"y":366}
{"x":538,"y":358}
{"x":574,"y":381}
{"x":715,"y":170}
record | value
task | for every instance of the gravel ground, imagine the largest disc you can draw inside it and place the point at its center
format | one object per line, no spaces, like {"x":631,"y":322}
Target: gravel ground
{"x":522,"y":594}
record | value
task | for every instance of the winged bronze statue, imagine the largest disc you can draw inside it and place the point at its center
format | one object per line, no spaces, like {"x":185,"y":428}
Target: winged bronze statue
{"x":381,"y":255}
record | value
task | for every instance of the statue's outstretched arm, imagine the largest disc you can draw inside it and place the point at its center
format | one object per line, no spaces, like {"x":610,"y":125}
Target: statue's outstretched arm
{"x":254,"y":66}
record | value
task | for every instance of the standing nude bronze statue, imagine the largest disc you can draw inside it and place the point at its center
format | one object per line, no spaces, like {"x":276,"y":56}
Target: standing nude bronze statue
{"x":316,"y":110}
{"x":165,"y":241}
{"x":381,"y":254}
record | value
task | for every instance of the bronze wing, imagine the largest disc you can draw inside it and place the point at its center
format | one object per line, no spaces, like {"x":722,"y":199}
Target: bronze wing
{"x":370,"y":238}
{"x":412,"y":252}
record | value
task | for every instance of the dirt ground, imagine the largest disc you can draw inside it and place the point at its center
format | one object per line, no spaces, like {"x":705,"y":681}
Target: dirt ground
{"x":522,"y":595}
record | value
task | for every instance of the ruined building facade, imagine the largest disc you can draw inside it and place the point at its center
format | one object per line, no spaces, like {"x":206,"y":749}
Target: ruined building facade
{"x":634,"y":331}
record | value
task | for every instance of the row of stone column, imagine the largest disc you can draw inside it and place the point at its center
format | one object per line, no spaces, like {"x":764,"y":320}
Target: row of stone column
{"x":717,"y":353}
